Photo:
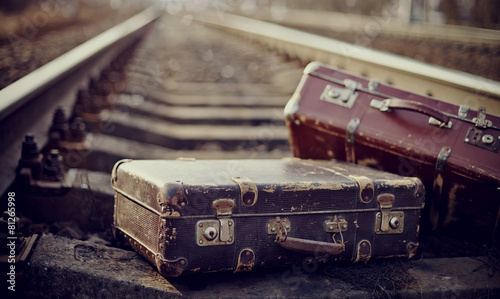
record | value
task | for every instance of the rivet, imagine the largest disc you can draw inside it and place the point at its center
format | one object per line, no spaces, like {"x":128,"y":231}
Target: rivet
{"x":466,"y":140}
{"x":330,"y":228}
{"x":230,"y":240}
{"x":230,"y":223}
{"x":344,"y":226}
{"x":200,"y":225}
{"x":273,"y":229}
{"x":200,"y":241}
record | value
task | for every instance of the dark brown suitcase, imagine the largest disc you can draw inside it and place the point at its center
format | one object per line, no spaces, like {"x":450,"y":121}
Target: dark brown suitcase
{"x":188,"y":216}
{"x":452,"y":149}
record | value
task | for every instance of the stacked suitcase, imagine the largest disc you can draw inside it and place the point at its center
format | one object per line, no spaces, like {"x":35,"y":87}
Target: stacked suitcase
{"x":188,"y":216}
{"x":453,"y":149}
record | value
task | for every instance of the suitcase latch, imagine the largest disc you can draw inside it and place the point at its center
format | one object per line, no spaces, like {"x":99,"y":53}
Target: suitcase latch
{"x":388,"y":221}
{"x":218,"y":231}
{"x":480,"y":121}
{"x":344,"y":97}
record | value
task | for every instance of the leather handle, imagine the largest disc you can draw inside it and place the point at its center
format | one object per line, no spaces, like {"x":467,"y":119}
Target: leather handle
{"x":387,"y":104}
{"x":310,"y":246}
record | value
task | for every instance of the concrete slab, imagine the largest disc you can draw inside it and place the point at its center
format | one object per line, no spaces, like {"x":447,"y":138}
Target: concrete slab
{"x":63,"y":267}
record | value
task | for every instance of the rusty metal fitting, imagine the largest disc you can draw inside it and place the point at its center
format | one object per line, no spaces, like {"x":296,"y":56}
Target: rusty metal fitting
{"x":78,"y":130}
{"x":83,"y":99}
{"x":30,"y":148}
{"x":60,"y":128}
{"x":53,"y":168}
{"x":31,"y":157}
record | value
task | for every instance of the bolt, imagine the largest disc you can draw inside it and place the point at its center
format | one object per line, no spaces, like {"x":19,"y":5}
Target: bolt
{"x":77,"y":129}
{"x":30,"y":148}
{"x":53,"y":166}
{"x":59,"y":129}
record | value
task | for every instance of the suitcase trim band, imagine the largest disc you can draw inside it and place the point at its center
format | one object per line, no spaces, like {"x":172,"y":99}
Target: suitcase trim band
{"x":367,"y":210}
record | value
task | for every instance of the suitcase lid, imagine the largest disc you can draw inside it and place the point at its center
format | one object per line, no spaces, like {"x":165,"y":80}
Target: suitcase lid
{"x":191,"y":188}
{"x":407,"y":128}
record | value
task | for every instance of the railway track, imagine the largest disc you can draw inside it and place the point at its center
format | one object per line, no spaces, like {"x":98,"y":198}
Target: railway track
{"x":163,"y":87}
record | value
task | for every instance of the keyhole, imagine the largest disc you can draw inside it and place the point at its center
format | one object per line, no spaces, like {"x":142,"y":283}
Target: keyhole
{"x":210,"y":233}
{"x":394,"y":222}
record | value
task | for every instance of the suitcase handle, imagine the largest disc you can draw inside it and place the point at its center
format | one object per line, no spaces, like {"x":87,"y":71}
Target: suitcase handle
{"x":310,"y":246}
{"x":388,"y":104}
{"x":304,"y":245}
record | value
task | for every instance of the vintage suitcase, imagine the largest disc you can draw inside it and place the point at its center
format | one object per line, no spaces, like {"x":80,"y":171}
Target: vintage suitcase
{"x":452,"y":149}
{"x":189,"y":216}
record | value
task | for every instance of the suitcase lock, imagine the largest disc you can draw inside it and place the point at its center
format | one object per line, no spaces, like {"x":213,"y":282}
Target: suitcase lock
{"x":387,"y":221}
{"x":344,"y":97}
{"x":218,"y":231}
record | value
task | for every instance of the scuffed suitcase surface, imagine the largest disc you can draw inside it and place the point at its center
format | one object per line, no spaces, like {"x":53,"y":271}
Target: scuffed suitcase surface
{"x":453,"y":150}
{"x":188,"y":216}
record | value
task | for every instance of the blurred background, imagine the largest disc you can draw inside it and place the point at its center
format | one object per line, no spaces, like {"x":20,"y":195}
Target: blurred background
{"x":484,"y":13}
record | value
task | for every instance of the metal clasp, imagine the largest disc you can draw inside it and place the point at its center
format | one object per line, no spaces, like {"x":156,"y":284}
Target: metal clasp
{"x":224,"y":208}
{"x":480,"y":121}
{"x":344,"y":97}
{"x":382,"y":105}
{"x":218,"y":231}
{"x":336,"y":225}
{"x":388,"y":221}
{"x":275,"y":226}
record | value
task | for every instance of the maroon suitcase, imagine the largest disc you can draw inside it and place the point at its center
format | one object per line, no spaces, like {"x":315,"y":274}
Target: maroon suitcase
{"x":188,"y":216}
{"x":453,"y":149}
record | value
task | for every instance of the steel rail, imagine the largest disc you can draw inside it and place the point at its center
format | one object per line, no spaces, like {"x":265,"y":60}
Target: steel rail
{"x":385,"y":24}
{"x":27,"y":104}
{"x":23,"y":90}
{"x":449,"y":85}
